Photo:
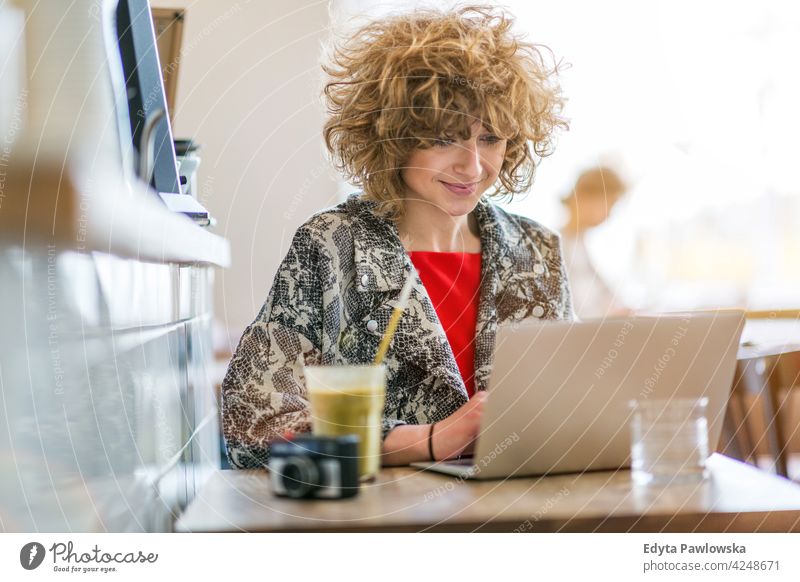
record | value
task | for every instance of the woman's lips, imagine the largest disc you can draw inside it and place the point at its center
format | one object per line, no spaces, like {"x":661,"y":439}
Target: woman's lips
{"x":465,"y":189}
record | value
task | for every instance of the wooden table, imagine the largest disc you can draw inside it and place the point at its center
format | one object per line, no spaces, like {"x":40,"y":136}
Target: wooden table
{"x":762,"y":338}
{"x":736,"y":498}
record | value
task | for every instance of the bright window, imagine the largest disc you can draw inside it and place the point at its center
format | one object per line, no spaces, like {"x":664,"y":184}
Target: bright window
{"x":699,"y":104}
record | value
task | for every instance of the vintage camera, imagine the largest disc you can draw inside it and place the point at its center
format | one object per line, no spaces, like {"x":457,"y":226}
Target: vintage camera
{"x":315,"y":467}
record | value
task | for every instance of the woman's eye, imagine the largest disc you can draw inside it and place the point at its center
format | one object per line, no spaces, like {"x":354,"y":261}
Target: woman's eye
{"x":491,"y":139}
{"x":443,"y":141}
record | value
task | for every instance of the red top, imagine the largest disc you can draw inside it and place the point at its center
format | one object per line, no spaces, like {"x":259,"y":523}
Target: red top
{"x":453,"y":284}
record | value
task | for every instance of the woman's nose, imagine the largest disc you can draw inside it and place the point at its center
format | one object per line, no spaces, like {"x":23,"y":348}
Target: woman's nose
{"x":469,"y":166}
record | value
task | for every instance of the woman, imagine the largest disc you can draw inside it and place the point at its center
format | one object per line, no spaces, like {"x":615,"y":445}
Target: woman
{"x":431,"y":114}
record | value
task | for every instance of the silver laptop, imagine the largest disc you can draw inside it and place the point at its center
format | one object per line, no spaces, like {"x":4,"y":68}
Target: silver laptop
{"x":559,"y":391}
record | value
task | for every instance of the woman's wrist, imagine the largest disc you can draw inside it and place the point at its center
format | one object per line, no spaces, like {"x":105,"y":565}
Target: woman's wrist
{"x":404,"y":444}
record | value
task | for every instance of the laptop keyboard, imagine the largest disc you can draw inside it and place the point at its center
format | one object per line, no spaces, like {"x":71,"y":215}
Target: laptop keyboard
{"x":462,"y":462}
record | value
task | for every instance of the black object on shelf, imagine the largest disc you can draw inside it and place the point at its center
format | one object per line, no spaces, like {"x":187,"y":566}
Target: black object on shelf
{"x":147,"y":104}
{"x":185,"y":146}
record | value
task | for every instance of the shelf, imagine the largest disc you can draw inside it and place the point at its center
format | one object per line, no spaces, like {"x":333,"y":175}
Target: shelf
{"x":47,"y":207}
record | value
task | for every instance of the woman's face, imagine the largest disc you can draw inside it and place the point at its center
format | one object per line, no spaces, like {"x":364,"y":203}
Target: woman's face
{"x":454,"y":173}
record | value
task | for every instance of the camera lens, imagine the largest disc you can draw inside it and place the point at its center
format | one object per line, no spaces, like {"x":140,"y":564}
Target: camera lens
{"x":299,"y":476}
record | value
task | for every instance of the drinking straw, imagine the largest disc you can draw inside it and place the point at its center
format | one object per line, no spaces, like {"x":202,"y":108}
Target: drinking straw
{"x":395,"y":319}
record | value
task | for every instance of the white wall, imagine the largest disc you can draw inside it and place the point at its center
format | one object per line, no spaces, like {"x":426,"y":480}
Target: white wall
{"x":248,"y":91}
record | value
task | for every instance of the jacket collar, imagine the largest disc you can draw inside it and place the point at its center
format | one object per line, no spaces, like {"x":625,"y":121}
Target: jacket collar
{"x":382,"y":264}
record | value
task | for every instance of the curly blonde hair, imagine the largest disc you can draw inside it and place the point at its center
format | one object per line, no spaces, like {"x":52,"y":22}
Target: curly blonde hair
{"x":399,"y":83}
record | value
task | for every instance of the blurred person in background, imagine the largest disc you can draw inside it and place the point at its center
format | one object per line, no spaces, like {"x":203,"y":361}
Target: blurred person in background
{"x":589,"y":204}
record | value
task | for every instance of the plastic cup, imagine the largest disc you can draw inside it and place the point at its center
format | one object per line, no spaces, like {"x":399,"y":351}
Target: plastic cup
{"x":669,"y":441}
{"x":349,"y":400}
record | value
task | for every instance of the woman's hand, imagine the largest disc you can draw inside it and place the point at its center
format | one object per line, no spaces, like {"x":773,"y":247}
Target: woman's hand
{"x":456,"y":434}
{"x":453,"y":436}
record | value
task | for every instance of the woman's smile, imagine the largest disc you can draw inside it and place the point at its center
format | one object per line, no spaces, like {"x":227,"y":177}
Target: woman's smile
{"x":461,"y":189}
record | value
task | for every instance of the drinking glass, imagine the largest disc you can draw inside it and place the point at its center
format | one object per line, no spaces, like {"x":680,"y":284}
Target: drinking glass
{"x":669,"y":440}
{"x":349,"y":400}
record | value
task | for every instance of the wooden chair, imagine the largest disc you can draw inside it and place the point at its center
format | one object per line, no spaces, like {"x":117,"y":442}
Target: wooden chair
{"x":759,"y":417}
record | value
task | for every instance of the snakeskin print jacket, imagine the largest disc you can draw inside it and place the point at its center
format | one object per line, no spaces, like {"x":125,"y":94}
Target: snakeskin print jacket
{"x":332,"y":298}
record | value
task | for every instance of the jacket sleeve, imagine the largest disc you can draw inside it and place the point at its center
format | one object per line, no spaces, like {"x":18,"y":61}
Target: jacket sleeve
{"x":263,"y":394}
{"x":389,"y":424}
